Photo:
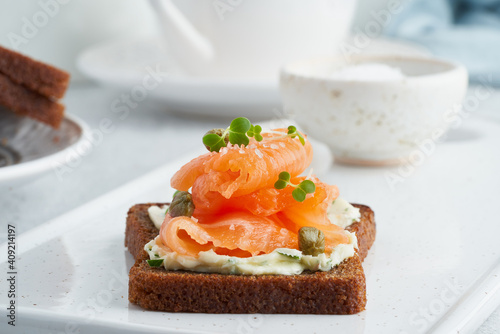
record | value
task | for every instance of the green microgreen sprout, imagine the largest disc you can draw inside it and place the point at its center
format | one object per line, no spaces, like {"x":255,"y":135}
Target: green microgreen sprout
{"x":301,"y":190}
{"x":239,"y":132}
{"x":255,"y":131}
{"x":292,"y":132}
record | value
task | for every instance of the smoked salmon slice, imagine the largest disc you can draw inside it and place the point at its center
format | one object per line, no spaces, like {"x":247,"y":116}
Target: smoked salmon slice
{"x":267,"y":201}
{"x":236,"y":171}
{"x":236,"y":234}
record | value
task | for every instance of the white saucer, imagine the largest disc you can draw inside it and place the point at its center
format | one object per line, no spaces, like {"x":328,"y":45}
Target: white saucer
{"x":124,"y":63}
{"x":29,"y":149}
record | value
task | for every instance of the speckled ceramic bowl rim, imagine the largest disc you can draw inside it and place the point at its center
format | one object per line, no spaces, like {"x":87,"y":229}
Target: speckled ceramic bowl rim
{"x":38,"y":166}
{"x":290,"y":69}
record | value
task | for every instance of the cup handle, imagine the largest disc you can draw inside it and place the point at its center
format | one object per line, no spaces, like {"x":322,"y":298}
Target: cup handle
{"x":181,"y":34}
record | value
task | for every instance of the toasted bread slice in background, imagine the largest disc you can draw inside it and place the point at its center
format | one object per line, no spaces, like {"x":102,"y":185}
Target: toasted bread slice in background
{"x":339,"y":291}
{"x":25,"y":102}
{"x":39,"y":77}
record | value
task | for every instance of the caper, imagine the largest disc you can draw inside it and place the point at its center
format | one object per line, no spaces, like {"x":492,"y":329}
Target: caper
{"x":311,"y":241}
{"x":182,"y":205}
{"x":218,"y":132}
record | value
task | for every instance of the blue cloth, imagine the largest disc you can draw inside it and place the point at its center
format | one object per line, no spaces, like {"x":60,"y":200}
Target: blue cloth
{"x":467,"y":31}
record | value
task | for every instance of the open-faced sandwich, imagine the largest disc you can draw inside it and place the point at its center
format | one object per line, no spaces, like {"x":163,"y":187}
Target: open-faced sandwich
{"x":245,"y":233}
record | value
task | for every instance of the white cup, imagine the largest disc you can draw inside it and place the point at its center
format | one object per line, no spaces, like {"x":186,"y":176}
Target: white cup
{"x":250,"y":38}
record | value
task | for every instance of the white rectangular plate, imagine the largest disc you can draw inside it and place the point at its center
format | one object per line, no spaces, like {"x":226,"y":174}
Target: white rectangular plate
{"x":434,"y":266}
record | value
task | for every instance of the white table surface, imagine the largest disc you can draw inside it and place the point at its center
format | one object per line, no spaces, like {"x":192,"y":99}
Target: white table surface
{"x":147,"y":138}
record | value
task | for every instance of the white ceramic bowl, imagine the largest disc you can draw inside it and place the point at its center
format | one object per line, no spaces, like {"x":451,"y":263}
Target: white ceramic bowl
{"x":375,"y":121}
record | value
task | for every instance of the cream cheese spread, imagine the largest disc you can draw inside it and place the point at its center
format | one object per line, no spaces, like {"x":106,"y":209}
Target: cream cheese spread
{"x":281,"y":261}
{"x":157,"y":214}
{"x":342,"y":213}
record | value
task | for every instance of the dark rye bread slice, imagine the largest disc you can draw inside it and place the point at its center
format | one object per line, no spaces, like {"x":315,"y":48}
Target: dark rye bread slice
{"x":139,"y":230}
{"x":41,"y":78}
{"x":25,"y":102}
{"x":339,"y":291}
{"x":365,"y":230}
